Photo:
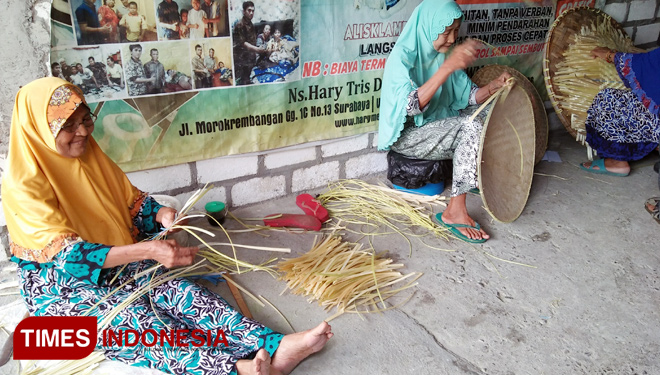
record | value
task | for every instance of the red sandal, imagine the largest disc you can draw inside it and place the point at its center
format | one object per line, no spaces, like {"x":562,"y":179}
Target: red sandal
{"x":313,"y":207}
{"x":291,"y":220}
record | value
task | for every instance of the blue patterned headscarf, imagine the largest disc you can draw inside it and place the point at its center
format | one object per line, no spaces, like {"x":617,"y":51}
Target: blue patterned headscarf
{"x":411,"y":63}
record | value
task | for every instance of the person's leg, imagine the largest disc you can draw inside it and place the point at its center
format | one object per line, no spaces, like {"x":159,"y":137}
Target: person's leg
{"x":260,"y":365}
{"x":202,"y":309}
{"x":464,"y":179}
{"x":243,"y":74}
{"x":620,"y":129}
{"x":159,"y":310}
{"x":455,"y":138}
{"x":298,"y":346}
{"x":611,"y":165}
{"x":652,"y":205}
{"x":68,"y":297}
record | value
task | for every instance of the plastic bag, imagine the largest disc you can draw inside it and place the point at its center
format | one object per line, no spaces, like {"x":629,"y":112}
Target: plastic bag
{"x":415,"y":173}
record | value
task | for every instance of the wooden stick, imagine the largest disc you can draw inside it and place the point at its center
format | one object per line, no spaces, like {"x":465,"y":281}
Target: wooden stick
{"x":242,"y":306}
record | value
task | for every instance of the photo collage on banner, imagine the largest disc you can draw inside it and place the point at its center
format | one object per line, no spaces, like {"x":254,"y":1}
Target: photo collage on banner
{"x":118,"y":49}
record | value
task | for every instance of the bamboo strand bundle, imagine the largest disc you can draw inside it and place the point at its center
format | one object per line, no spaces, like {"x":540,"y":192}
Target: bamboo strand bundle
{"x":579,"y":76}
{"x":340,"y":275}
{"x":372,"y":207}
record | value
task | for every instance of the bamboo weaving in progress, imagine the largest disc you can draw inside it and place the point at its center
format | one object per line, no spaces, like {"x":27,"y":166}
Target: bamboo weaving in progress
{"x":573,"y":77}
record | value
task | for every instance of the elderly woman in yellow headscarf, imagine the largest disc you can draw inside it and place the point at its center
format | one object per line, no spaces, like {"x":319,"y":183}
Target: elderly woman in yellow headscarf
{"x":74,"y":218}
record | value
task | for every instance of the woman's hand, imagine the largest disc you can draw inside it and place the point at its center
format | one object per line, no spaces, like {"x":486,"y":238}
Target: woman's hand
{"x":498,"y":83}
{"x":166,"y":216}
{"x":170,"y":254}
{"x":491,"y":88}
{"x":167,"y":252}
{"x":463,"y":55}
{"x":600,"y":52}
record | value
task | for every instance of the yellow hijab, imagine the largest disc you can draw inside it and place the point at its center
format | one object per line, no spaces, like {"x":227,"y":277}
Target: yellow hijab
{"x":50,"y":200}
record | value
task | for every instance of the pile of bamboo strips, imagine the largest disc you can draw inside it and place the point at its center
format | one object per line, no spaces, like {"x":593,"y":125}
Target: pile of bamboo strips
{"x":374,"y":209}
{"x":340,"y":275}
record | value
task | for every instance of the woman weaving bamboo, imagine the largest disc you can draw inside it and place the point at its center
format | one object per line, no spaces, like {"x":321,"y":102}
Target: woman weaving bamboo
{"x":74,"y":217}
{"x":423,"y":111}
{"x":623,"y":125}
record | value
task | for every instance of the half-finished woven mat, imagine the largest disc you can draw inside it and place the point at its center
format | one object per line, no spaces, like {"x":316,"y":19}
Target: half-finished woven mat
{"x":488,"y":73}
{"x":506,"y":156}
{"x":560,"y":37}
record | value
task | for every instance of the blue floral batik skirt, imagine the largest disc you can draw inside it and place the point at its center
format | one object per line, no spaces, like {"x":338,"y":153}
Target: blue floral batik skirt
{"x":620,"y":127}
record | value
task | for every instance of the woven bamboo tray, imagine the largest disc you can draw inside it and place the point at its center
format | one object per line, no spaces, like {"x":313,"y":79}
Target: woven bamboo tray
{"x":506,"y":156}
{"x":559,"y":38}
{"x":488,"y":73}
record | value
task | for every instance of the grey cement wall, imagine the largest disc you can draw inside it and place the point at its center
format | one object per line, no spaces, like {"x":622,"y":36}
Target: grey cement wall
{"x":640,"y":19}
{"x":243,"y":179}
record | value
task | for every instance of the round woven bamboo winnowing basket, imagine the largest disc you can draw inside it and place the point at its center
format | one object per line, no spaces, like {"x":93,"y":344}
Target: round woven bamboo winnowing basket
{"x":506,"y":155}
{"x":560,"y":36}
{"x":488,"y":73}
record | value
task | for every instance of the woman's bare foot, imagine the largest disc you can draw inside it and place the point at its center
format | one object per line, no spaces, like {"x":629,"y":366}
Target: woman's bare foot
{"x":260,"y":365}
{"x":456,"y":213}
{"x":298,"y":346}
{"x":611,"y":165}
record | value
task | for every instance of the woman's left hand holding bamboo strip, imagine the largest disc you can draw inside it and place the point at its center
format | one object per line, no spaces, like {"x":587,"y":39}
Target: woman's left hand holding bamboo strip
{"x":603,"y":53}
{"x":166,"y":216}
{"x":487,"y":91}
{"x":167,"y":252}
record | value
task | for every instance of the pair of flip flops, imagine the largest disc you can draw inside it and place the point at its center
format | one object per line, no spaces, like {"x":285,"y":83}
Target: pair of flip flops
{"x":655,"y":211}
{"x":315,"y":215}
{"x":454,"y":229}
{"x":600,"y":163}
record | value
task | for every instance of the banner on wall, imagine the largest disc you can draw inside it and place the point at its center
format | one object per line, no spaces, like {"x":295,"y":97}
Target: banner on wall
{"x":174,"y":81}
{"x":513,"y":33}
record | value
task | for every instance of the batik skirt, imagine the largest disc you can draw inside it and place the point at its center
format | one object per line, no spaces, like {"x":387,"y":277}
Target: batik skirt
{"x":454,"y":138}
{"x":620,"y":127}
{"x":178,"y":304}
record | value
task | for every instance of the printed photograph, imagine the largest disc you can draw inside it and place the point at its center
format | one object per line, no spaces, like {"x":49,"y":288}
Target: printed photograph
{"x":114,"y":21}
{"x":157,"y":68}
{"x":197,"y":19}
{"x":266,"y":41}
{"x":97,"y":71}
{"x":211,"y":63}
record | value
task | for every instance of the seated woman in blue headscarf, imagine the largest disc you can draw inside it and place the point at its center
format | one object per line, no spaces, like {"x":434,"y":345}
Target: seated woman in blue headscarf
{"x":424,"y":110}
{"x":624,"y":125}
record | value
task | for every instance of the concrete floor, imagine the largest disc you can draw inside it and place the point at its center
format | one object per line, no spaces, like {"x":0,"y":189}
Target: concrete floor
{"x":589,"y":303}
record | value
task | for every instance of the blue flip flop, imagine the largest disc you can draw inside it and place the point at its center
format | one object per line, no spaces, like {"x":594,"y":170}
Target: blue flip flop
{"x":475,"y":191}
{"x":600,"y":163}
{"x":453,"y":228}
